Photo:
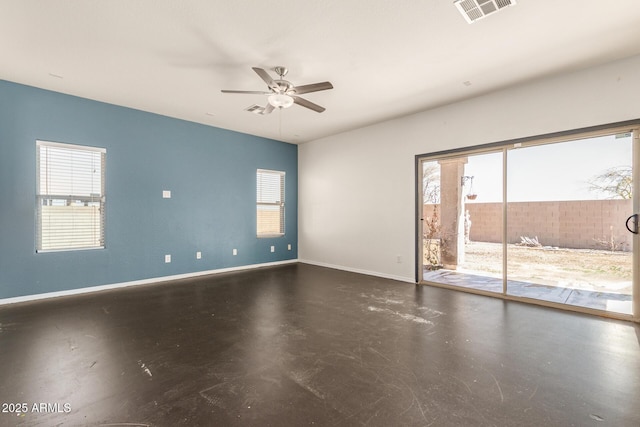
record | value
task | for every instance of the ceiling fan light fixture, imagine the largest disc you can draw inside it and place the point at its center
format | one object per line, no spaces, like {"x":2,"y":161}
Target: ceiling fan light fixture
{"x":280,"y":100}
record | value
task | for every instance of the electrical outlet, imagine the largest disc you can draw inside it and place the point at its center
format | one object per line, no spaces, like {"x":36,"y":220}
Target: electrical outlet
{"x":235,"y":252}
{"x":273,"y":248}
{"x":198,"y":255}
{"x":399,"y":259}
{"x":289,"y":247}
{"x":167,"y":259}
{"x":166,"y":194}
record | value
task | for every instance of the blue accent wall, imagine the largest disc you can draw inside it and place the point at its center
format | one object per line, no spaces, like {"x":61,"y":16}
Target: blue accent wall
{"x":210,"y":172}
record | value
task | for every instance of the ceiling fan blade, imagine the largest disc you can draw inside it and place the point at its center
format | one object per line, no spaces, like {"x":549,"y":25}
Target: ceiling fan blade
{"x":254,"y":92}
{"x":315,"y":87}
{"x":268,"y":109}
{"x":308,"y":104}
{"x":267,"y":78}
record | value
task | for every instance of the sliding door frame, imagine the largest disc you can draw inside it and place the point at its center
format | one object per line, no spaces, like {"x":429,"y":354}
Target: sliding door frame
{"x":504,"y":147}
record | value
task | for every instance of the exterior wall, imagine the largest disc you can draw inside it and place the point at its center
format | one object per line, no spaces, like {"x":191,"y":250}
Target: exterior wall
{"x":486,"y":222}
{"x":584,"y":224}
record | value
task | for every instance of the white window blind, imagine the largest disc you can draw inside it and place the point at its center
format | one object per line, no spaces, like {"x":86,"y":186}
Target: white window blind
{"x":70,"y":196}
{"x":270,"y":203}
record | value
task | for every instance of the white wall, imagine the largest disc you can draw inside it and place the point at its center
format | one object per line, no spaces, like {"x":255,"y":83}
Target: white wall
{"x":357,"y":189}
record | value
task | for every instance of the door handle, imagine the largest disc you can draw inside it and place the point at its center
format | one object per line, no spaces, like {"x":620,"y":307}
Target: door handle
{"x":635,"y":223}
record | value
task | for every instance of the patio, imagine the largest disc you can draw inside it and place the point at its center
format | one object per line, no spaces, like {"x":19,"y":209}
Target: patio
{"x":599,"y":300}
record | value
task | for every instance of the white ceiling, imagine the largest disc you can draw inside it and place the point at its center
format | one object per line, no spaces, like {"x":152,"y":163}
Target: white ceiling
{"x":385,"y":58}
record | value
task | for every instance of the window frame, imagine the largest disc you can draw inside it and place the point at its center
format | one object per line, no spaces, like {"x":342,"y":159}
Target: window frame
{"x":280,"y":204}
{"x":93,"y":198}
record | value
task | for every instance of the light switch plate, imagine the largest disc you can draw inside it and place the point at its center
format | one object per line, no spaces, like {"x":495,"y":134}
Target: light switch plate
{"x":166,"y":194}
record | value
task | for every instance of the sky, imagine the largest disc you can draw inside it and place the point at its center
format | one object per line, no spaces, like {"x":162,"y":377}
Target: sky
{"x":548,"y":172}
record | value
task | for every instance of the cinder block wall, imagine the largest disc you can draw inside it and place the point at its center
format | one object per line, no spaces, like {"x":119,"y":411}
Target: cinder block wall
{"x":584,"y":224}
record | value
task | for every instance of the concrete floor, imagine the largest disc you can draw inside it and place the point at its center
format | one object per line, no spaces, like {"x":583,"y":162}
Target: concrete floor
{"x":606,"y":301}
{"x":304,"y":345}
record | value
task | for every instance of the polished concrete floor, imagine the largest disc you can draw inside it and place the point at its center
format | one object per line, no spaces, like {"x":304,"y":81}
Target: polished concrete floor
{"x":303,"y":345}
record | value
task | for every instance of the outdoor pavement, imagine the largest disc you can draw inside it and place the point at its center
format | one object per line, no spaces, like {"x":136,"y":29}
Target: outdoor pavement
{"x":607,"y":301}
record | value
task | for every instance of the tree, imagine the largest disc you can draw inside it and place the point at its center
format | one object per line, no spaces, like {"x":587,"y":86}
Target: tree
{"x":430,"y":183}
{"x":616,"y":182}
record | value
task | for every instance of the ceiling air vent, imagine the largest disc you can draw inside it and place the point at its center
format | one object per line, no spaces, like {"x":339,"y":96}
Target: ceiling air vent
{"x":474,"y":10}
{"x":255,"y":109}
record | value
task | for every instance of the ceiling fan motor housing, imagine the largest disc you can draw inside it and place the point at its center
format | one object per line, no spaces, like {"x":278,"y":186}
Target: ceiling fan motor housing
{"x":285,"y":87}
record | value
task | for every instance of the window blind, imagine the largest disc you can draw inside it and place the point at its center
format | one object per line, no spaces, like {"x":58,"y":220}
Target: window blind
{"x":70,"y":197}
{"x":270,"y":203}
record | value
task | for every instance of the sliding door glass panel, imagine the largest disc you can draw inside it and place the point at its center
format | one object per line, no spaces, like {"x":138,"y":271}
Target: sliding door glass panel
{"x":567,"y":204}
{"x":431,"y":259}
{"x":483,"y":250}
{"x":462,"y":222}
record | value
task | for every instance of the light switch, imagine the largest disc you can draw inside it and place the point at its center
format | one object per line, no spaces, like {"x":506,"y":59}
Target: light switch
{"x":166,"y":194}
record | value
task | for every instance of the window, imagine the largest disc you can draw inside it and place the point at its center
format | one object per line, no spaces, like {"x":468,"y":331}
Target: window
{"x":69,"y":197}
{"x":270,"y":203}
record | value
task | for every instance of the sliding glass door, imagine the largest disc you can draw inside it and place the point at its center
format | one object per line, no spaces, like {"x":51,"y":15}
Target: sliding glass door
{"x":567,"y":207}
{"x":462,"y":221}
{"x":549,"y":220}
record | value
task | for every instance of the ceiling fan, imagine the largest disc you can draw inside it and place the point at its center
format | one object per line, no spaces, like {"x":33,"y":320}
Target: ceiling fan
{"x":282,"y":93}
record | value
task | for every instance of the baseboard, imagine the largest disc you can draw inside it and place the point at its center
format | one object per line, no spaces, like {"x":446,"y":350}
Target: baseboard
{"x":359,"y":271}
{"x":99,"y":288}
